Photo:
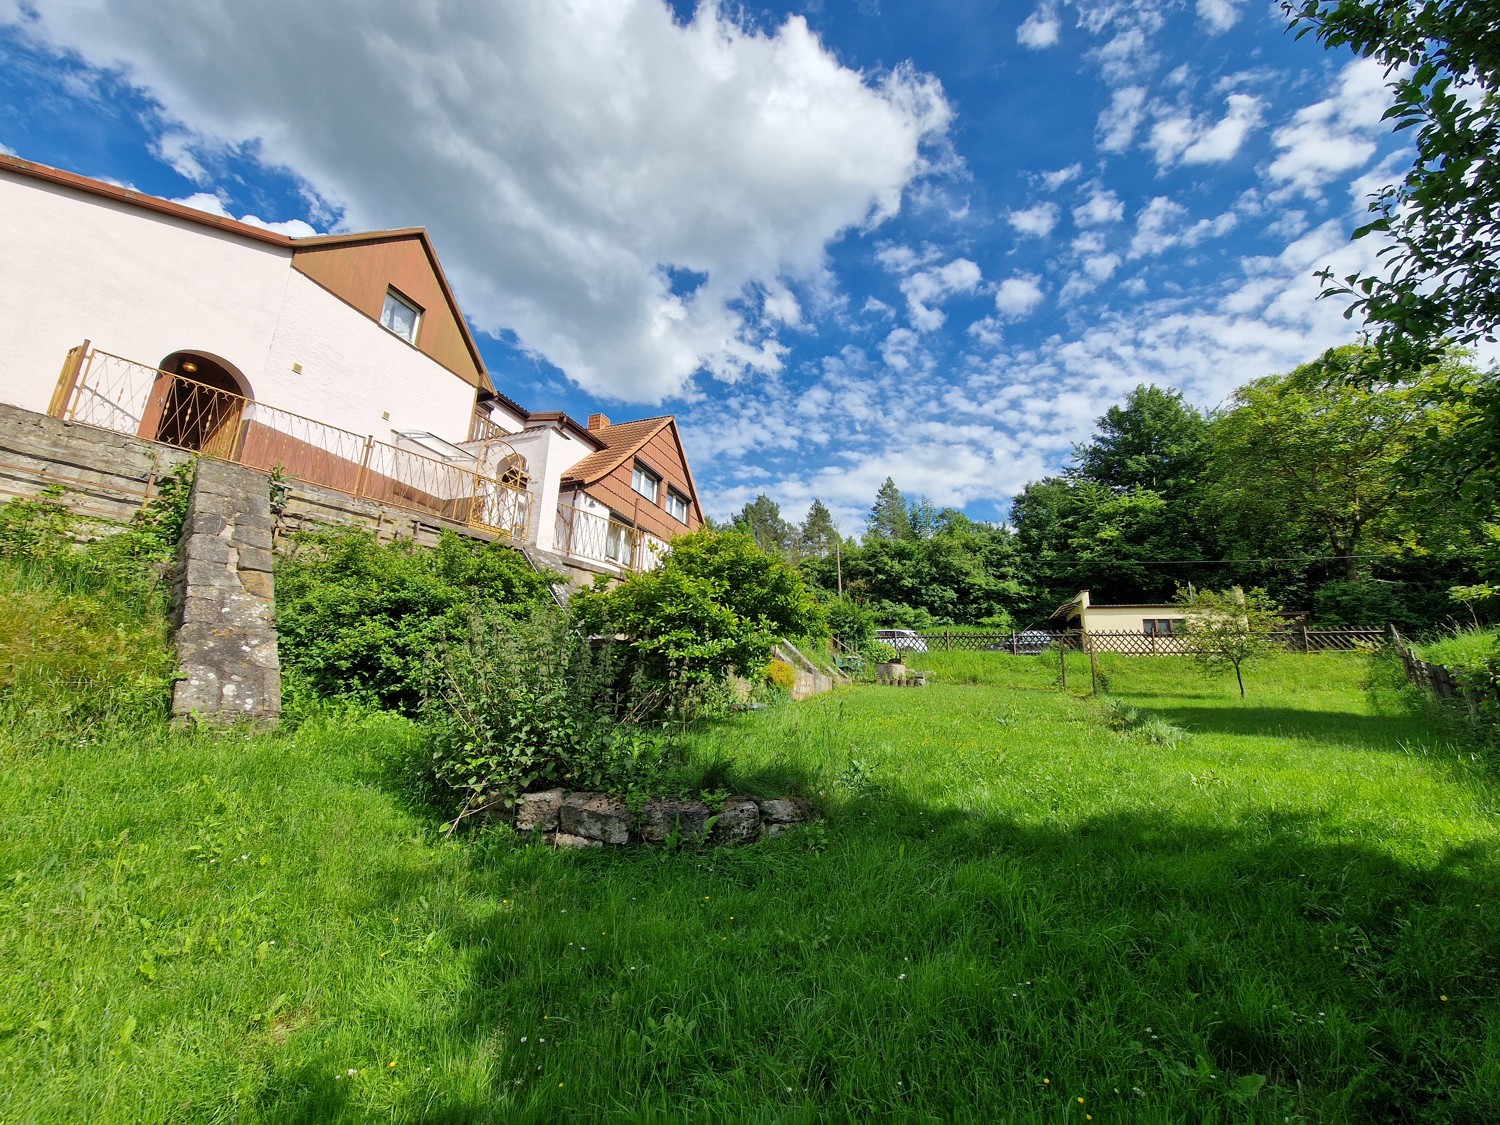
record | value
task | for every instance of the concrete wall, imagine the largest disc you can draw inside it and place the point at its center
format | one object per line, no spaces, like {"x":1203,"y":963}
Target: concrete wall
{"x":144,"y":285}
{"x":1126,"y":618}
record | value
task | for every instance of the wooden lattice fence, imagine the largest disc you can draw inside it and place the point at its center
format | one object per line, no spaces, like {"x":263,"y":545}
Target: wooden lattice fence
{"x":1031,"y":641}
{"x":1440,"y":681}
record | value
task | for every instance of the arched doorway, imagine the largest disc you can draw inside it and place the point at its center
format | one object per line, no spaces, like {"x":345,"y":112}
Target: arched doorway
{"x":197,"y":403}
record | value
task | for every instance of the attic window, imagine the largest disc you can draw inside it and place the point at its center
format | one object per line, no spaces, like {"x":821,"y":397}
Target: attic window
{"x":644,"y":481}
{"x":677,"y":506}
{"x":400,"y":316}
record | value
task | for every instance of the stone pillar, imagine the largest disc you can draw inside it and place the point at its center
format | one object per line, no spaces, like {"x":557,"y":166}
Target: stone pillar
{"x":225,"y":602}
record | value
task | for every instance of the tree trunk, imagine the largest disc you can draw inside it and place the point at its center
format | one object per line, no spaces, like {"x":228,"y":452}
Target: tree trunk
{"x":1239,"y":679}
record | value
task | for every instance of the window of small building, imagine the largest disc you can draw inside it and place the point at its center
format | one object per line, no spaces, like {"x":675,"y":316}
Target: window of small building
{"x":400,"y":316}
{"x":1162,"y":626}
{"x":644,"y":481}
{"x":677,"y":505}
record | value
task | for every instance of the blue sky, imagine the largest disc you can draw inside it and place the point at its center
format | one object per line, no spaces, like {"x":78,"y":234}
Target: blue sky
{"x":839,"y":239}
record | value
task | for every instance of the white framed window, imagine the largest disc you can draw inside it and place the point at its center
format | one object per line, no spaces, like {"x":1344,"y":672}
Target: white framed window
{"x":644,"y":481}
{"x":617,"y":543}
{"x":677,"y":505}
{"x":400,"y":316}
{"x":1163,"y":626}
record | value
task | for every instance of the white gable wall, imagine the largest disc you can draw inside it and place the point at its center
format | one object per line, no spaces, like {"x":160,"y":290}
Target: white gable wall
{"x":144,"y":285}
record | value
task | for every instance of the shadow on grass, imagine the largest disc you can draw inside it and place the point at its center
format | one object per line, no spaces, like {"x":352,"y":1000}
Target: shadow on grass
{"x":1233,"y":939}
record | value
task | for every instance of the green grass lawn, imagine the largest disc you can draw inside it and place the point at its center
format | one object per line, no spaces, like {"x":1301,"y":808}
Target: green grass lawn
{"x":1463,"y":647}
{"x":1011,"y":913}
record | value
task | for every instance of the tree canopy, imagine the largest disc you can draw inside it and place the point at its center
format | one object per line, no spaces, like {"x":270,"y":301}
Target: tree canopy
{"x":1442,"y":59}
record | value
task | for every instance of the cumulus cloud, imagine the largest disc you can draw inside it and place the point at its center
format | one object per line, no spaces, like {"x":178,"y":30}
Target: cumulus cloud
{"x":1191,"y":140}
{"x":567,"y":157}
{"x":1161,"y":225}
{"x":1040,"y":29}
{"x":1220,"y":15}
{"x":1101,"y":208}
{"x":1335,"y":135}
{"x":1018,"y":296}
{"x":928,"y":288}
{"x":1038,"y":221}
{"x":1056,"y":179}
{"x":1120,"y":120}
{"x":204,"y":201}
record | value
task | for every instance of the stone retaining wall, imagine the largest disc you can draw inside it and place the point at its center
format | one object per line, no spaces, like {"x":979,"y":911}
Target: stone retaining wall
{"x":592,"y":820}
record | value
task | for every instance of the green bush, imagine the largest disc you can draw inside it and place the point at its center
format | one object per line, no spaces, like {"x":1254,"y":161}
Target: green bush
{"x":851,"y":623}
{"x":780,"y":674}
{"x":362,"y":621}
{"x":714,"y":607}
{"x":520,"y":704}
{"x":879,"y":652}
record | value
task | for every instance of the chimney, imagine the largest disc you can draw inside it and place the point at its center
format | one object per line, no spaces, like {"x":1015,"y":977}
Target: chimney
{"x":598,"y":422}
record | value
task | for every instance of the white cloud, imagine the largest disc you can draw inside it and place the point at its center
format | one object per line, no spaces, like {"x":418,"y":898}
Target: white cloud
{"x":1101,"y":267}
{"x":927,"y":288}
{"x":1190,"y":140}
{"x":1041,"y":29}
{"x":1333,"y":136}
{"x":1051,"y":181}
{"x":1018,"y":296}
{"x":6,"y":149}
{"x":1160,"y":225}
{"x":1119,"y":122}
{"x":1220,"y":15}
{"x":563,"y":155}
{"x":1101,"y":208}
{"x":205,"y":201}
{"x":1038,"y":220}
{"x":902,"y":352}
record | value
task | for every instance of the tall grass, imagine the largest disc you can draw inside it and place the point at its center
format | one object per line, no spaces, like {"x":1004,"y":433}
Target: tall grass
{"x":1012,"y":912}
{"x":1466,"y":646}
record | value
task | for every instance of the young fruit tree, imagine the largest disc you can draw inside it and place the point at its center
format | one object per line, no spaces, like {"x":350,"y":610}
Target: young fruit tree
{"x":1227,"y":629}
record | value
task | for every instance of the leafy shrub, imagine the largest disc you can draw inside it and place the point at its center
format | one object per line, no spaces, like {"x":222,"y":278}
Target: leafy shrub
{"x":714,"y":607}
{"x":362,"y":621}
{"x":879,"y":652}
{"x":523,"y":704}
{"x":851,"y":623}
{"x":780,"y":674}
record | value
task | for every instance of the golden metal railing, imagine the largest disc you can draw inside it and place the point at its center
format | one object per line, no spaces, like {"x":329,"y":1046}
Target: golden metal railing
{"x":488,"y":492}
{"x":589,"y":535}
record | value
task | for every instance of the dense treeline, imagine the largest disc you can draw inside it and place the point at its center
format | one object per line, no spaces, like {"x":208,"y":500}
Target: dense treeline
{"x":1354,"y":492}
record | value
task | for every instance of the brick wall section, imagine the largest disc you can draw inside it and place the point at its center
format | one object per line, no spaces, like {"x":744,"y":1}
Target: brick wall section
{"x":225,"y":601}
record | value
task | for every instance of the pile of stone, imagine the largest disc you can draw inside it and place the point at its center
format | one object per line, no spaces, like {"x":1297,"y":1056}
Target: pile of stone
{"x":591,"y":820}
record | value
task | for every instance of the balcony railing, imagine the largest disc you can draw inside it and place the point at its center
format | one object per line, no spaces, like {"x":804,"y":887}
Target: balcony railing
{"x":485,"y":489}
{"x":598,"y":538}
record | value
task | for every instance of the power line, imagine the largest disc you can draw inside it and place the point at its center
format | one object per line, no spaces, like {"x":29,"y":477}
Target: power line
{"x":1206,"y":562}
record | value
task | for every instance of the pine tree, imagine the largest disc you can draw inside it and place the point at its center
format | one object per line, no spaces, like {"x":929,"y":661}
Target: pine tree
{"x":889,"y":518}
{"x":817,"y":536}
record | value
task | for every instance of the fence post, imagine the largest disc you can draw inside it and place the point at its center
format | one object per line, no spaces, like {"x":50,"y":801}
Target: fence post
{"x":1062,"y":664}
{"x":947,"y":640}
{"x":364,"y":466}
{"x":67,"y":382}
{"x":1093,"y":665}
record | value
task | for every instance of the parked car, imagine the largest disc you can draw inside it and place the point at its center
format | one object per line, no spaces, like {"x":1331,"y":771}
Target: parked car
{"x":1028,"y":642}
{"x":901,"y":640}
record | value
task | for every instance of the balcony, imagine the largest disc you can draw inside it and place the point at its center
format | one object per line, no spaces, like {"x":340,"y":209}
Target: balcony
{"x":482,"y":483}
{"x":592,"y":537}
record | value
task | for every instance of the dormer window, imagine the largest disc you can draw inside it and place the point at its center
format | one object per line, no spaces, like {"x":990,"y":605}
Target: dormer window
{"x":644,"y":481}
{"x":400,"y":316}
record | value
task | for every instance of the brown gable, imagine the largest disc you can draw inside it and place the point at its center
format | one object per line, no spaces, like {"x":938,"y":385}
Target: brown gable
{"x":360,"y":268}
{"x":605,"y":475}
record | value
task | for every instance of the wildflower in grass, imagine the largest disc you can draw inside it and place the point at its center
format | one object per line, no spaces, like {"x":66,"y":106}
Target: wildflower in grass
{"x":901,"y":977}
{"x":1046,"y":1081}
{"x":1080,"y":1100}
{"x":1444,"y":999}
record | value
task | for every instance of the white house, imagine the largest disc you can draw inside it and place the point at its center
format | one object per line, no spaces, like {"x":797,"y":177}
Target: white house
{"x":342,"y":359}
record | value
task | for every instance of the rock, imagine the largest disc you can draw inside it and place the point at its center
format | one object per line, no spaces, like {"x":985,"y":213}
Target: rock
{"x":738,"y":822}
{"x":770,"y":830}
{"x":785,"y":810}
{"x":537,"y":812}
{"x":659,"y":818}
{"x":596,"y":816}
{"x":568,"y":840}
